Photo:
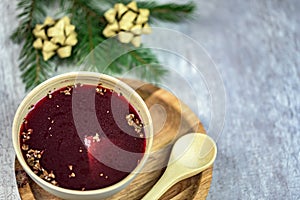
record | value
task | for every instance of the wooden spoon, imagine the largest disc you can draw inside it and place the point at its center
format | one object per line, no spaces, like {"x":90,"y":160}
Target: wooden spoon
{"x":191,"y":154}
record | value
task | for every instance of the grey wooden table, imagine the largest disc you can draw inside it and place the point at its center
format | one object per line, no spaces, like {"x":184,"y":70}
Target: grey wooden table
{"x":256,"y":47}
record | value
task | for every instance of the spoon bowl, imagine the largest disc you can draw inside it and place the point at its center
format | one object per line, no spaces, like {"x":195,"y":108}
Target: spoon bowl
{"x":191,"y":154}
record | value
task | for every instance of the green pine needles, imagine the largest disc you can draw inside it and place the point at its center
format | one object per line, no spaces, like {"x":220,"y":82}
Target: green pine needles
{"x":90,"y":50}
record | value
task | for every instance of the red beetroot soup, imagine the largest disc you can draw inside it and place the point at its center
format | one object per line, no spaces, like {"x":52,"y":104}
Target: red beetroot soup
{"x":83,"y":137}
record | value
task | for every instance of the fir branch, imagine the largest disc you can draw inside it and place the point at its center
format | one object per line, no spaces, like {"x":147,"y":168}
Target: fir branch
{"x":34,"y":69}
{"x":115,"y":58}
{"x":91,"y":7}
{"x":88,"y":18}
{"x":26,"y":7}
{"x":85,"y":17}
{"x":90,"y":33}
{"x":148,"y":65}
{"x":170,"y":12}
{"x":19,"y":34}
{"x":99,"y":56}
{"x":31,"y":13}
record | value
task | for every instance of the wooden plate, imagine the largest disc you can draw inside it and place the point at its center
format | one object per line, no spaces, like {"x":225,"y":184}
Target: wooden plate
{"x":171,"y":119}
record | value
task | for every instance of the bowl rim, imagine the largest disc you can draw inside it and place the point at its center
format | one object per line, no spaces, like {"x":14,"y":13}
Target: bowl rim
{"x":73,"y":75}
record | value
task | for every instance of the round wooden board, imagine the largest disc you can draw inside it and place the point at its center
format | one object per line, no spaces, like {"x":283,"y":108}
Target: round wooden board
{"x":171,"y":119}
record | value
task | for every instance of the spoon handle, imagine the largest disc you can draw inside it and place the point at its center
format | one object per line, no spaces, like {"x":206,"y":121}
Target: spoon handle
{"x":164,"y":183}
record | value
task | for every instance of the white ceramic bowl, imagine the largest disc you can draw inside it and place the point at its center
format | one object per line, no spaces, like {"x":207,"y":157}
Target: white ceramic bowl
{"x":85,"y":78}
